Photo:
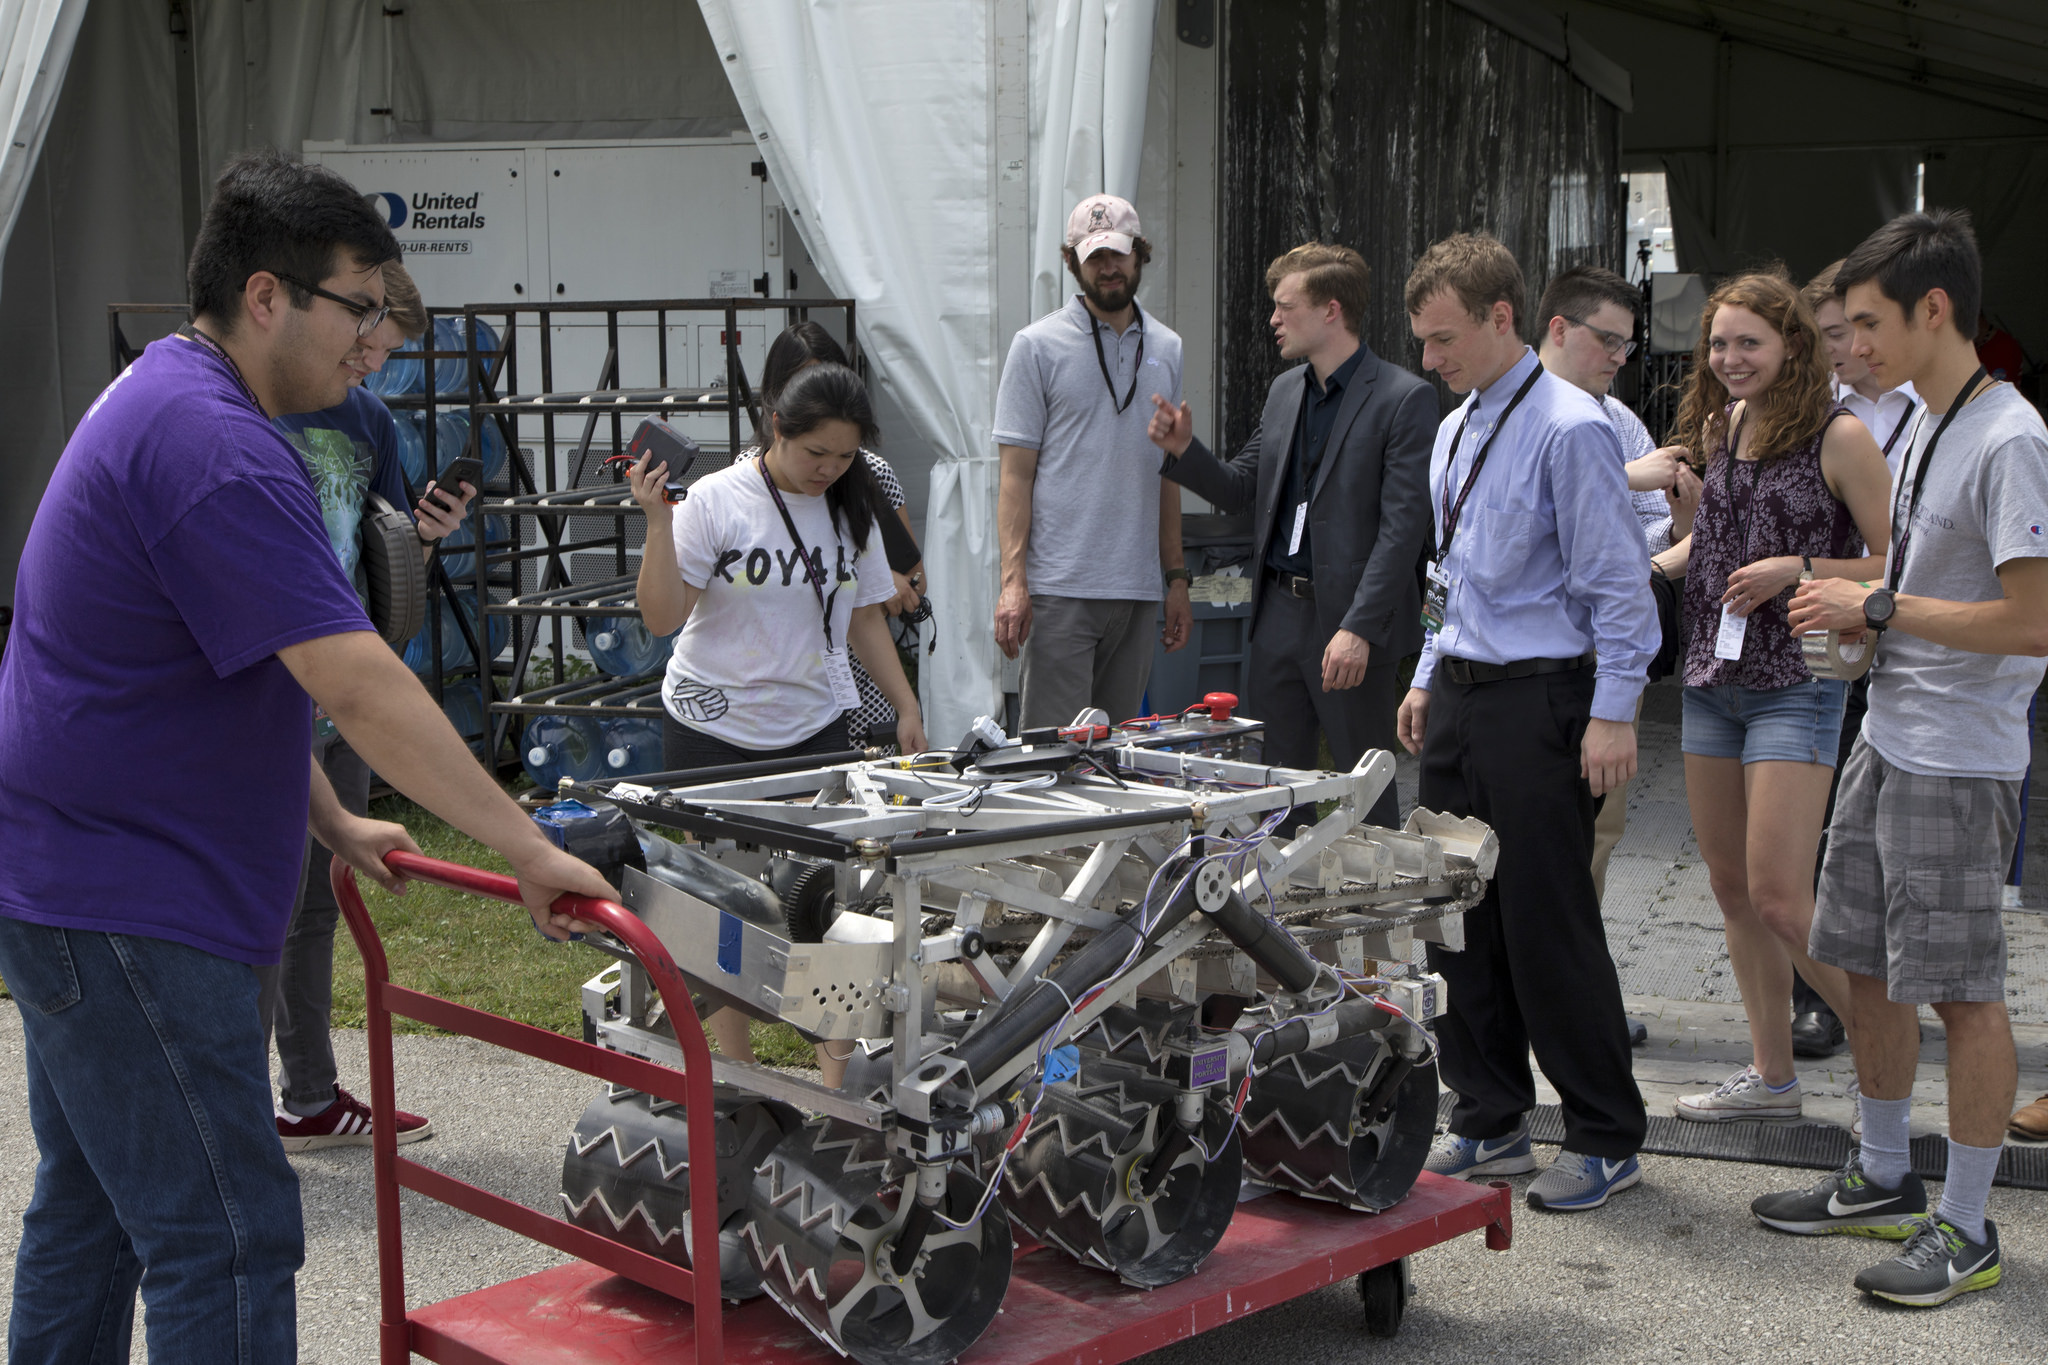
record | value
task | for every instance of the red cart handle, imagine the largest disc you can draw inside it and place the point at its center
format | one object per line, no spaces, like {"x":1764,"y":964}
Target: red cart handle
{"x":692,"y":1086}
{"x":610,"y":916}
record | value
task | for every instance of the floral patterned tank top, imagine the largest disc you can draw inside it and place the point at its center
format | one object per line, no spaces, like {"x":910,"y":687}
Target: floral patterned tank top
{"x":1779,"y":506}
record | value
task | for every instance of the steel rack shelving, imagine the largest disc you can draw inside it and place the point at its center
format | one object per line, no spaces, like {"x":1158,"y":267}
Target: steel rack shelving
{"x":556,"y":441}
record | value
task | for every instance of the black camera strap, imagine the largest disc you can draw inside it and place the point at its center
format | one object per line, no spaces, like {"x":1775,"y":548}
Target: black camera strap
{"x":1453,"y":512}
{"x":1902,"y":527}
{"x":1095,"y":326}
{"x":813,"y":571}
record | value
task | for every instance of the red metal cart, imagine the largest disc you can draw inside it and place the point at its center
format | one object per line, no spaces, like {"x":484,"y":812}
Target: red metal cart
{"x":621,"y":1305}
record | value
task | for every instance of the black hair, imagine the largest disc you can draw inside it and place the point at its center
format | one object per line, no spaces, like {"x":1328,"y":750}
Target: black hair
{"x":793,"y":348}
{"x":829,"y":392}
{"x":1578,"y":292}
{"x":272,"y":213}
{"x":1918,"y":252}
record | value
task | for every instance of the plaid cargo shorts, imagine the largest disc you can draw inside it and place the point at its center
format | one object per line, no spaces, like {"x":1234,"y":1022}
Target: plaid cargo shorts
{"x":1910,"y":890}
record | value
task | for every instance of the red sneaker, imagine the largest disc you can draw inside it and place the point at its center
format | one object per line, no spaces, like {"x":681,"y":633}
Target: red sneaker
{"x":345,"y":1123}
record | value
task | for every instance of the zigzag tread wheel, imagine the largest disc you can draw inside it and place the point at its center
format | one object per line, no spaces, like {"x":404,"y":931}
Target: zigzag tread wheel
{"x":626,"y":1175}
{"x":820,"y":1229}
{"x":1076,"y":1182}
{"x":1304,"y":1129}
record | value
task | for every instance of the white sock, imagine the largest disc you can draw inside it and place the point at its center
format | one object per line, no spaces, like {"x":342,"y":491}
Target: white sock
{"x":1887,"y":1131}
{"x":1970,"y":1171}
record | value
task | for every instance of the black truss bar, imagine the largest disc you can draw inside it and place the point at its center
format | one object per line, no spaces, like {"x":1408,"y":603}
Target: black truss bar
{"x":911,"y":845}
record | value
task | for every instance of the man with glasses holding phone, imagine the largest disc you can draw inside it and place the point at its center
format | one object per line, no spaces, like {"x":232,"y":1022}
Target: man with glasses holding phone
{"x":1589,"y":325}
{"x":351,"y":451}
{"x":178,"y":601}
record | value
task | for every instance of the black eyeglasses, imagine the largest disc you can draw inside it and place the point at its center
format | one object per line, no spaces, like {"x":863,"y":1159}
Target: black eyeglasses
{"x":367,"y":315}
{"x":1613,"y":342}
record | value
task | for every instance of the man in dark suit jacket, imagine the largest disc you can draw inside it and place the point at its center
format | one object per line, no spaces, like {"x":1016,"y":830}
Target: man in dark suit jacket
{"x":1336,"y":476}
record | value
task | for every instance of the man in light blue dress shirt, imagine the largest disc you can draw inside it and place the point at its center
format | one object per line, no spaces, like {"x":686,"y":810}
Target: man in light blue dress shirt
{"x":1540,"y":570}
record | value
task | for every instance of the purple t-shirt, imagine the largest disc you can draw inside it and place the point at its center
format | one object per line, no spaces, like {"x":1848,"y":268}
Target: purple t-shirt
{"x":153,"y":771}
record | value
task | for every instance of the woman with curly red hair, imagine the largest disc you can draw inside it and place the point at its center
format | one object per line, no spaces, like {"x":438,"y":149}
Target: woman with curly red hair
{"x":1794,"y":485}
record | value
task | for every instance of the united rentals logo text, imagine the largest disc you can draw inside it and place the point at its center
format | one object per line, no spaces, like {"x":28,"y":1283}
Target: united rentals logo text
{"x":445,"y":212}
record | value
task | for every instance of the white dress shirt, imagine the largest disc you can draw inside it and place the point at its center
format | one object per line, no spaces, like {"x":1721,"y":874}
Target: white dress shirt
{"x":1888,"y":416}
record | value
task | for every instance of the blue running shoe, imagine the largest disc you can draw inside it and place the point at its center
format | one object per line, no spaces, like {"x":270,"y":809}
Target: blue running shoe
{"x":1575,"y":1183}
{"x":1461,"y":1158}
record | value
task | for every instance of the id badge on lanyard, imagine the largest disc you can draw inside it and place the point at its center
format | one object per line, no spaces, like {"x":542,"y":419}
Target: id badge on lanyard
{"x":839,"y":672}
{"x":1436,"y":596}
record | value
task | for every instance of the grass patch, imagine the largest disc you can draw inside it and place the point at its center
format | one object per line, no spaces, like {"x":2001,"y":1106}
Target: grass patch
{"x":484,"y":953}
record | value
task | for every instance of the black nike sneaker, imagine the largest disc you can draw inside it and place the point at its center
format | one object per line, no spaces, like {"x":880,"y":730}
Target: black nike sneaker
{"x":1845,"y":1201}
{"x":1936,"y":1264}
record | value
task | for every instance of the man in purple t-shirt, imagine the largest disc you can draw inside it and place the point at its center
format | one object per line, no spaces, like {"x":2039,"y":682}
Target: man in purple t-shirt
{"x":177,"y":601}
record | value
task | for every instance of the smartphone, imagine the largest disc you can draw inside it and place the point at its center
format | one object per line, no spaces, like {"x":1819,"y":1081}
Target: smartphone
{"x":460,"y":470}
{"x":668,"y":446}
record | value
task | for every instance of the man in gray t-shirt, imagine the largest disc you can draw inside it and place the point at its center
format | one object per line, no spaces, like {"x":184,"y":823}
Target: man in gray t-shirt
{"x":1086,"y":524}
{"x":1927,"y":809}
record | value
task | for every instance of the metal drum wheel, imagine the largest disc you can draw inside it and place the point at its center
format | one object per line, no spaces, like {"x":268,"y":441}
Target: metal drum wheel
{"x":821,"y":1229}
{"x":1085,"y":1178}
{"x":626,"y":1175}
{"x":1351,"y":1123}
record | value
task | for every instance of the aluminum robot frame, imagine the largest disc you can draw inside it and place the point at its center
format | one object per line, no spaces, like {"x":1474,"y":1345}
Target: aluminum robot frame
{"x":1093,"y":986}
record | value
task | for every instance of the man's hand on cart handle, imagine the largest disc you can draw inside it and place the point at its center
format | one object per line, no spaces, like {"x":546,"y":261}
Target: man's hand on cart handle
{"x":546,"y":874}
{"x":362,"y":844}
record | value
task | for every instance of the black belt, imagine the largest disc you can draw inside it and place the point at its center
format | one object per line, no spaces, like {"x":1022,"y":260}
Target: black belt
{"x":1293,"y":584}
{"x":1469,"y":671}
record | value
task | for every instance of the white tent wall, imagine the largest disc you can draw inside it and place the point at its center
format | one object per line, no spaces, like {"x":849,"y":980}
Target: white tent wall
{"x":36,"y":38}
{"x":99,"y":221}
{"x":887,"y":142}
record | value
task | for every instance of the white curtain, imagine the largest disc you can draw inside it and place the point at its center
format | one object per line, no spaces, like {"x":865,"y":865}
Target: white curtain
{"x":877,"y":133}
{"x":36,"y":37}
{"x":1091,"y":69}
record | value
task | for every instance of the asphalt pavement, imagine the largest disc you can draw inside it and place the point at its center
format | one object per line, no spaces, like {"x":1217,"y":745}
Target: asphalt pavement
{"x":1674,"y":1269}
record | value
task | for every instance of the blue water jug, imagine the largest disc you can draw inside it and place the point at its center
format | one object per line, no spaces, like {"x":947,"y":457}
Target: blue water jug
{"x":451,"y":433}
{"x":632,"y":745}
{"x":455,"y":656}
{"x":451,"y":373}
{"x":461,"y":566}
{"x":555,"y":747}
{"x":623,"y":646}
{"x":412,"y":448}
{"x":462,"y":701}
{"x":402,"y":374}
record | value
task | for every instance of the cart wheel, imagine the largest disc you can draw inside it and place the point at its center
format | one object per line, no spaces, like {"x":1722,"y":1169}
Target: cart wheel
{"x":1385,"y":1291}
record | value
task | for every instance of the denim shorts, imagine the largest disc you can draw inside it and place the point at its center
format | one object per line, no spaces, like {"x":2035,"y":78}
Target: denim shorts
{"x":1797,"y":724}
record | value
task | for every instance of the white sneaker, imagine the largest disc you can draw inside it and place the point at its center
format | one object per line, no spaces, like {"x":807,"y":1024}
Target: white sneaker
{"x":1742,"y":1096}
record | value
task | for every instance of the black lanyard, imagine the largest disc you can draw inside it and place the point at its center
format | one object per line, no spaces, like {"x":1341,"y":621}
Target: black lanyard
{"x":1904,"y":417}
{"x":1902,"y":528}
{"x":1453,"y":513}
{"x":1095,"y":326}
{"x":191,"y":333}
{"x":1728,"y":489}
{"x":813,"y":570}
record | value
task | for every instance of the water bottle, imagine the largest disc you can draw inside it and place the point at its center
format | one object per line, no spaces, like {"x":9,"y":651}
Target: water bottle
{"x":451,"y":434}
{"x":462,"y":701}
{"x":451,"y":373}
{"x":455,"y":655}
{"x":557,"y":747}
{"x":401,"y":375}
{"x":623,"y":646}
{"x":632,"y":745}
{"x":412,"y":448}
{"x":461,"y":566}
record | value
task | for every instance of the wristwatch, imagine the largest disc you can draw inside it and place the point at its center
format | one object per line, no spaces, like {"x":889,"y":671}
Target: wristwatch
{"x":1181,"y":574}
{"x":1878,"y":608}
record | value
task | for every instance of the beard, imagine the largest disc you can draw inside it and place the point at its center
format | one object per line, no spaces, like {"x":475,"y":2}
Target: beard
{"x":1118,"y":295}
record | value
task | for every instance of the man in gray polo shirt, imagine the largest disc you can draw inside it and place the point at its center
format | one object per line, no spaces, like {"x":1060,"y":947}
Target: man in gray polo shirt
{"x":1087,"y":526}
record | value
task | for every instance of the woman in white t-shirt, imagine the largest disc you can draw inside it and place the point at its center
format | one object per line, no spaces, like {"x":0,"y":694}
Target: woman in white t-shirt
{"x":774,"y":570}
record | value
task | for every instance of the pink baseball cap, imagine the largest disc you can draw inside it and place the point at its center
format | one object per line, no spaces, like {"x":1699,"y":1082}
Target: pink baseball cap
{"x":1101,"y":222}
